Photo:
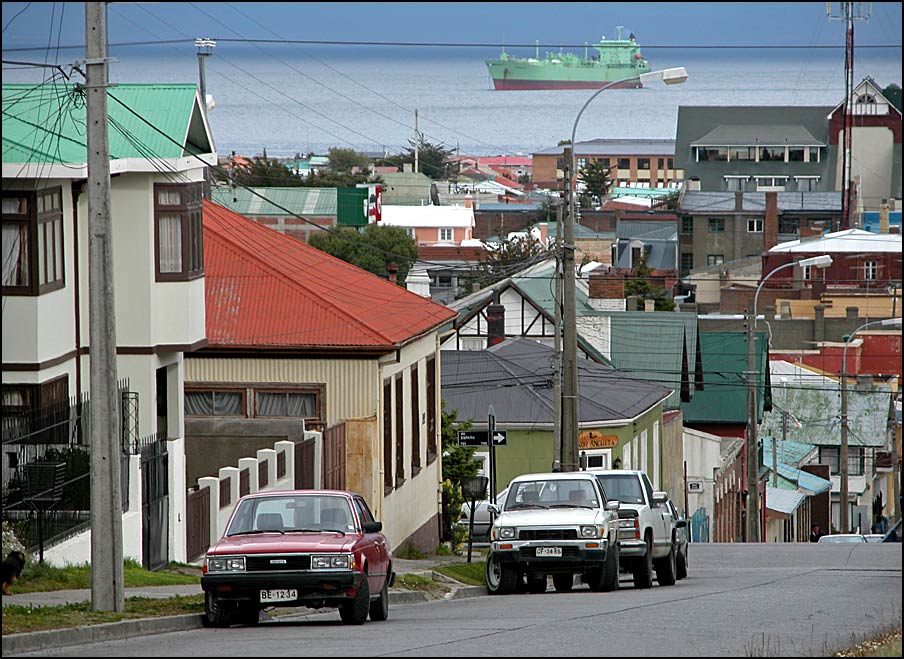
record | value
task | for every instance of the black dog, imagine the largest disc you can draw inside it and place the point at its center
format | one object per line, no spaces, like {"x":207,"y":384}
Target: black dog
{"x":12,"y":568}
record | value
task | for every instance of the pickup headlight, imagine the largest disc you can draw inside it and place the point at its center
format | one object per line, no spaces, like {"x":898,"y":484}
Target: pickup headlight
{"x":332,"y":562}
{"x":226,"y":564}
{"x":504,"y":533}
{"x":593,"y":531}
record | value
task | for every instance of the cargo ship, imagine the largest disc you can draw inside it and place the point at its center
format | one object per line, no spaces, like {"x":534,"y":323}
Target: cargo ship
{"x":612,"y":60}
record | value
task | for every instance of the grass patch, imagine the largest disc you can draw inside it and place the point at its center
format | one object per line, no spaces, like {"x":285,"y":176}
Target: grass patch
{"x":18,"y":619}
{"x":38,"y":577}
{"x":422,"y":583}
{"x":472,"y":573}
{"x":885,"y":645}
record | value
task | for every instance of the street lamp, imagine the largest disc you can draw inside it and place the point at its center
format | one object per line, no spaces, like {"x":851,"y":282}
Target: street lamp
{"x":569,"y":398}
{"x":843,"y":453}
{"x":753,"y":462}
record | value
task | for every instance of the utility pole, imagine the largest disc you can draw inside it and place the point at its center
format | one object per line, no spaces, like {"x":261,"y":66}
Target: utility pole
{"x":843,"y":517}
{"x":557,"y":374}
{"x":753,"y":475}
{"x":417,"y":143}
{"x":105,"y":409}
{"x":848,"y":12}
{"x":569,"y":318}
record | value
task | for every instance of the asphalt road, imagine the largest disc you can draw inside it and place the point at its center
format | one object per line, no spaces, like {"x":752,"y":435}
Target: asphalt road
{"x":738,"y":600}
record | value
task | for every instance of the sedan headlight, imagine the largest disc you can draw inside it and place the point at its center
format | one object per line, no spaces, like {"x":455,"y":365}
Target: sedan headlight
{"x":504,"y":533}
{"x":226,"y":564}
{"x":592,"y":531}
{"x":333,"y":562}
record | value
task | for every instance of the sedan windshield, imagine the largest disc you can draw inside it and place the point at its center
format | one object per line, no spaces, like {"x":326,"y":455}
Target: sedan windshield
{"x":292,"y":513}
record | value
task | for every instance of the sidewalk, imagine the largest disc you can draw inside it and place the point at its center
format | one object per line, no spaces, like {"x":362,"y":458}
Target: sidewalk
{"x":36,"y":641}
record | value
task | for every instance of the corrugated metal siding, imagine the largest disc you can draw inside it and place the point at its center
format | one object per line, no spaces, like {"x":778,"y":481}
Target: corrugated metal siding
{"x":349,"y":384}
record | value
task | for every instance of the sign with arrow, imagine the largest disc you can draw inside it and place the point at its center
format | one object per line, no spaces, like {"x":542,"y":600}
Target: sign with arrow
{"x":481,"y":437}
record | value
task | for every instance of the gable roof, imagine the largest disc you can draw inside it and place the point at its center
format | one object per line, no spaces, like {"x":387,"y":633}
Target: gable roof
{"x":516,"y":375}
{"x":774,"y":135}
{"x":300,"y":200}
{"x":266,"y":289}
{"x":44,"y":126}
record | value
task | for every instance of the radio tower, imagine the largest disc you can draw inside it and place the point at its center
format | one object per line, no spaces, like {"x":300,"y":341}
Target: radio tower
{"x":848,"y":12}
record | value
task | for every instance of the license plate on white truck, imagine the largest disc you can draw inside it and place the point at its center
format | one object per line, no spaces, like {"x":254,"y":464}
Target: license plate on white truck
{"x":549,"y":551}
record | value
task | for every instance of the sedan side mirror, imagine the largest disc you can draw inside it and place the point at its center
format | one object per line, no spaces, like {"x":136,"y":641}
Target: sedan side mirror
{"x":493,"y":508}
{"x":372,"y":527}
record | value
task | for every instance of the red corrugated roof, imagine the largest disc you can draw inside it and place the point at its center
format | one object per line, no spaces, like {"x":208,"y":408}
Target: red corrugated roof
{"x":267,"y":289}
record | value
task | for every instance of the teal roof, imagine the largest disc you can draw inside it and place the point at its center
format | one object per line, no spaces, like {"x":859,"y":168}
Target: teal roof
{"x":804,"y":480}
{"x":45,"y":124}
{"x":787,"y":451}
{"x":255,"y":201}
{"x":723,"y":398}
{"x":784,"y":501}
{"x":622,"y":191}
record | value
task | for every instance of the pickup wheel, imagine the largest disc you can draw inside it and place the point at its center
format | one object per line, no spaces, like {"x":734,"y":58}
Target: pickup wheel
{"x":501,"y":579}
{"x":563,"y":582}
{"x":610,"y":571}
{"x":666,"y":568}
{"x":681,"y":563}
{"x":355,"y":610}
{"x":216,"y":614}
{"x":379,"y":608}
{"x":643,"y":568}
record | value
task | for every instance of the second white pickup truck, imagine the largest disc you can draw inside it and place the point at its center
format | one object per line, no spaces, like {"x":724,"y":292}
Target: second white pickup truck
{"x":646,"y":529}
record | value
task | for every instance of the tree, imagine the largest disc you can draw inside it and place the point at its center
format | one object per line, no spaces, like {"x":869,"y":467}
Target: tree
{"x":330,"y":179}
{"x":344,"y":161}
{"x":458,"y":461}
{"x":893,"y":94}
{"x":372,"y":249}
{"x":639,"y":285}
{"x":266,"y":172}
{"x":595,"y":176}
{"x":505,"y":258}
{"x":433,"y":159}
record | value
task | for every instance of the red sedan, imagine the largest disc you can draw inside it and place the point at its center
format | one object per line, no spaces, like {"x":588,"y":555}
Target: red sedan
{"x":313,"y":548}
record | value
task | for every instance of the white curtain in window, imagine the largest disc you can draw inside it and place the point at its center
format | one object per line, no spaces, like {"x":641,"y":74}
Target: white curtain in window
{"x":227,"y":403}
{"x":15,"y":254}
{"x":169,"y":197}
{"x":301,"y":405}
{"x":198,"y":403}
{"x":271,"y":404}
{"x":170,"y":230}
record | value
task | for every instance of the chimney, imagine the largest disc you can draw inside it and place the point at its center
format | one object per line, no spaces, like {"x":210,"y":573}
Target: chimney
{"x":495,"y":324}
{"x":649,"y":305}
{"x":883,"y":216}
{"x":739,"y":200}
{"x":693,"y":185}
{"x":770,"y":222}
{"x":632,"y":302}
{"x":469,"y":203}
{"x":606,"y":285}
{"x":819,"y":323}
{"x":407,"y":167}
{"x":392,"y":269}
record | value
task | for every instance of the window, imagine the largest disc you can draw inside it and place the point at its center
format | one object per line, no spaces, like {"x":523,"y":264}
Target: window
{"x":687,"y":226}
{"x":400,"y":433}
{"x":830,"y":455}
{"x":25,"y":398}
{"x":214,"y":403}
{"x":415,"y":422}
{"x":431,"y":403}
{"x":443,"y":281}
{"x":754,"y":225}
{"x":387,"y":436}
{"x":560,"y":163}
{"x":715,"y":259}
{"x":808,"y":272}
{"x":445,"y":235}
{"x":32,"y":242}
{"x":716,"y":225}
{"x":286,"y":403}
{"x":870,"y":270}
{"x":670,"y":163}
{"x":806,"y":183}
{"x":813,"y":152}
{"x":789,"y":225}
{"x":177,"y":215}
{"x":411,"y":233}
{"x":687,"y":262}
{"x":741,"y":153}
{"x":643,"y":163}
{"x":735,"y":183}
{"x":795,"y":154}
{"x":771,"y":182}
{"x":624,"y":163}
{"x":582,"y":162}
{"x":774,"y":153}
{"x":636,"y":256}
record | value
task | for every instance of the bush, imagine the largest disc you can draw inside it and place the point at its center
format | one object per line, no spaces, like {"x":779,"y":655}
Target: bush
{"x":10,"y":541}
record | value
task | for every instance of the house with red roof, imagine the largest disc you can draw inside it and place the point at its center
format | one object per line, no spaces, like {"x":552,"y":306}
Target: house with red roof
{"x":298,"y":339}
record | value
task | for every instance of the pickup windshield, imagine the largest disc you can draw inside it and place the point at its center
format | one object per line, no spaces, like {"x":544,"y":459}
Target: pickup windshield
{"x":552,"y":494}
{"x":624,"y":488}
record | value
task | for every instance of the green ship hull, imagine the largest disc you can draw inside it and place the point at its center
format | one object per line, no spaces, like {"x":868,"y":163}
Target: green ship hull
{"x":615,"y":60}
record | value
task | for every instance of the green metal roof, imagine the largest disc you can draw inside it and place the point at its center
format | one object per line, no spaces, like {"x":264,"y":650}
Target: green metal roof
{"x":723,"y":398}
{"x":406,"y":189}
{"x":255,"y":201}
{"x":45,"y":124}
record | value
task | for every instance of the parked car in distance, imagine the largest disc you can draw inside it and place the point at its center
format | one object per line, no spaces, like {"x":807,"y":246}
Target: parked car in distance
{"x":557,"y":524}
{"x":482,"y":521}
{"x":313,"y":548}
{"x":842,"y":538}
{"x":873,"y":537}
{"x":680,"y":539}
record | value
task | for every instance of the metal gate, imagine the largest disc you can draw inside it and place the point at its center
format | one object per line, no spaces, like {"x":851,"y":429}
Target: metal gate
{"x":699,"y":526}
{"x":155,"y":504}
{"x":304,"y":465}
{"x":334,"y":457}
{"x":197,"y":515}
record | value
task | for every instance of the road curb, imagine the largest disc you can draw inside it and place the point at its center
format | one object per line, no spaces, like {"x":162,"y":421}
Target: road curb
{"x":108,"y":631}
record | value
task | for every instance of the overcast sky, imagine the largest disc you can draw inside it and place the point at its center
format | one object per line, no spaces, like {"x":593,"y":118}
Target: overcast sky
{"x":653,"y":23}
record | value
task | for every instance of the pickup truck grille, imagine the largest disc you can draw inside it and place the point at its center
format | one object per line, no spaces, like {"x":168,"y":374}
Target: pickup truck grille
{"x":547,"y":534}
{"x":286,"y":562}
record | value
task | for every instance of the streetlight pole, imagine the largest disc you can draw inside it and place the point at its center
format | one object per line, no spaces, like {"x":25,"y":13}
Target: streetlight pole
{"x":569,"y":316}
{"x":843,"y":519}
{"x":753,"y":462}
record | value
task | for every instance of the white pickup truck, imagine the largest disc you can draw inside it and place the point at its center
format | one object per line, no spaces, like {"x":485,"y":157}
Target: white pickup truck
{"x":557,"y":524}
{"x":647,"y":529}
